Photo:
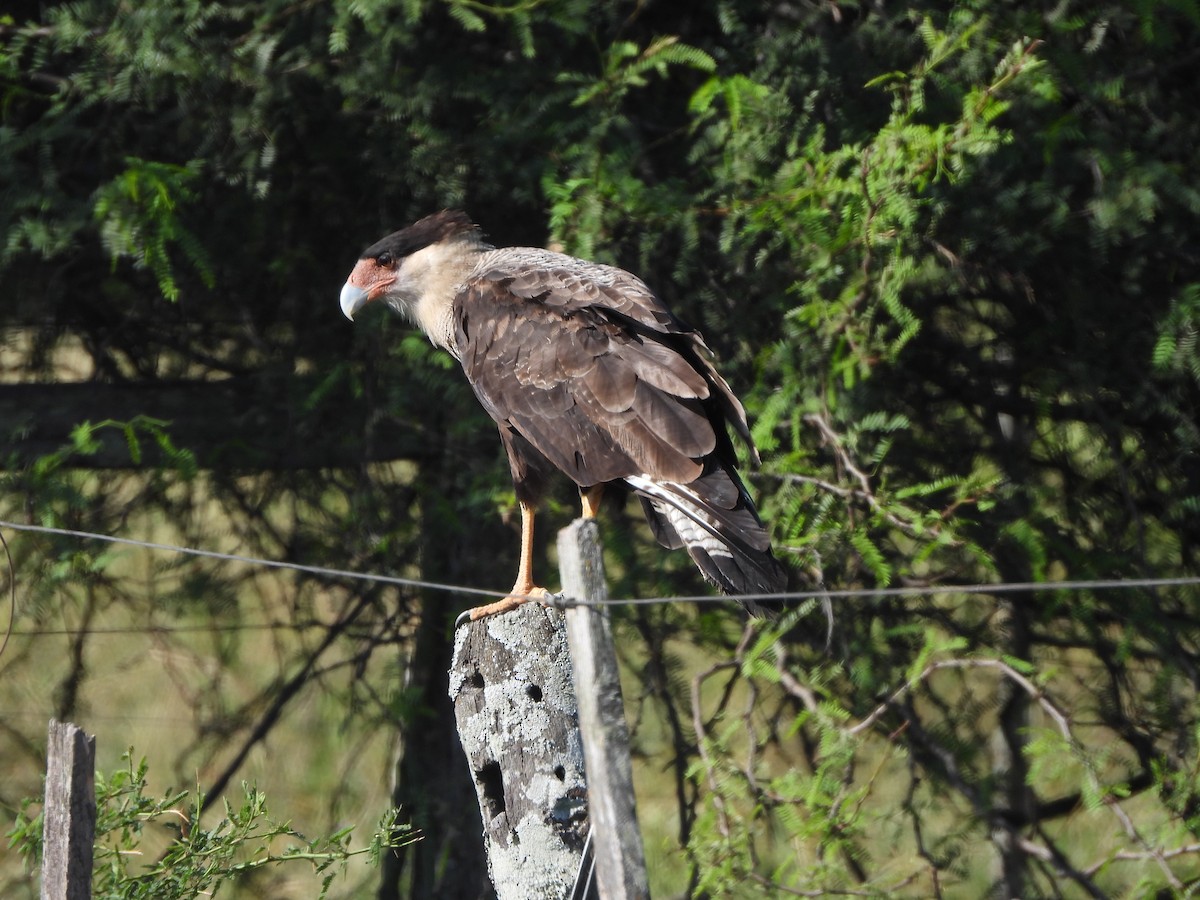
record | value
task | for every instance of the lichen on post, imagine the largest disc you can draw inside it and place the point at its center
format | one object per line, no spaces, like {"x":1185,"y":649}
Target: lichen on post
{"x":510,"y":683}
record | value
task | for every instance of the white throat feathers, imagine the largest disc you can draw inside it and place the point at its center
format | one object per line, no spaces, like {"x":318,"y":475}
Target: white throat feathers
{"x":429,"y":279}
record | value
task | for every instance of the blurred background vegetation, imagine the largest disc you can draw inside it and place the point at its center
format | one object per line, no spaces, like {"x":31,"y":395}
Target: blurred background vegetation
{"x":946,"y":252}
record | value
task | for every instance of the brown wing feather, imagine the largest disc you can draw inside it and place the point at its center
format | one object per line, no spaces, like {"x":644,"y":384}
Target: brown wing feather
{"x":601,"y":393}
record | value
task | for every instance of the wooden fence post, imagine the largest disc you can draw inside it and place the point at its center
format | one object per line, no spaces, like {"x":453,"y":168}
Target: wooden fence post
{"x":510,"y":683}
{"x":620,"y":858}
{"x":69,"y":813}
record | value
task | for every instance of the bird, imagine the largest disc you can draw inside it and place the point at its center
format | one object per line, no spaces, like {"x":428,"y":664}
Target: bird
{"x":586,"y":372}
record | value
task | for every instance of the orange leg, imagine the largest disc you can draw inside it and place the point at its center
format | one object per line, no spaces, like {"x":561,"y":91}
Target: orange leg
{"x":524,"y":589}
{"x":590,"y":499}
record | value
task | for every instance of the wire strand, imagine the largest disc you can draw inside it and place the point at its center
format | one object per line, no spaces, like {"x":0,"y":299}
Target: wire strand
{"x":909,"y":591}
{"x":561,"y":602}
{"x":213,"y":628}
{"x":251,"y":560}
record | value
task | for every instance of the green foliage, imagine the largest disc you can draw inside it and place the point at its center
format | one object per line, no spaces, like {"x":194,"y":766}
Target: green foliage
{"x":138,"y":218}
{"x":856,"y":812}
{"x":60,"y":497}
{"x":197,"y":860}
{"x":945,"y":253}
{"x":1176,"y":351}
{"x":595,"y":176}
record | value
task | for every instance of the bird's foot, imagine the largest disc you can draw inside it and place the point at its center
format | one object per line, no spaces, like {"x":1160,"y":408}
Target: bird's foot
{"x":509,"y":603}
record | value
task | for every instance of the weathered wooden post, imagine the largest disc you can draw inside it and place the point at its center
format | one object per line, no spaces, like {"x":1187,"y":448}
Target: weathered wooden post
{"x":69,"y":813}
{"x":510,"y":683}
{"x":620,"y":857}
{"x":529,"y":715}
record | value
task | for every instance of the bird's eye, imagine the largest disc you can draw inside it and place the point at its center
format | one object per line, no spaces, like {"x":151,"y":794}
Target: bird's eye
{"x":385,"y":260}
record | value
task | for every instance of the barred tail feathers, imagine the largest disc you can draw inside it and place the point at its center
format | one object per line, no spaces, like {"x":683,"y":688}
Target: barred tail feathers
{"x":714,"y":519}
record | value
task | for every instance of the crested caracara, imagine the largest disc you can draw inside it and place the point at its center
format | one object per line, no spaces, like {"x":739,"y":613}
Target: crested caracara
{"x":586,"y":372}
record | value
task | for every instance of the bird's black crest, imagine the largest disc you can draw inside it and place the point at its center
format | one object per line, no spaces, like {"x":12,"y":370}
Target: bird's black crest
{"x":429,"y":230}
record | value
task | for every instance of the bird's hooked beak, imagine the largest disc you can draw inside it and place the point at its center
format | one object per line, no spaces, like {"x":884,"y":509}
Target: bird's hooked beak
{"x":353,"y":299}
{"x":368,"y":281}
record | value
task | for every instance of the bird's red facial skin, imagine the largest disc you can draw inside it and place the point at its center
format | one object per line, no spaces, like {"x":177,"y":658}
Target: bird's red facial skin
{"x":372,"y":277}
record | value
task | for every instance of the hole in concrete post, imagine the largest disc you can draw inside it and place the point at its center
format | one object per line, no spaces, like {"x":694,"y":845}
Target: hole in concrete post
{"x":560,"y":773}
{"x":534,"y":692}
{"x":476,"y":679}
{"x":492,"y":781}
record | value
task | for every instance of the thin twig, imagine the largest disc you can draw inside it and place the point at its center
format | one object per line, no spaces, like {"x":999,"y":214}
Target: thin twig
{"x":1024,"y":683}
{"x":12,"y":584}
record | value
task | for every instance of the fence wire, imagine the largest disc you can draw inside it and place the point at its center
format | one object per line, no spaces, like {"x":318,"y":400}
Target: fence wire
{"x":1102,"y":584}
